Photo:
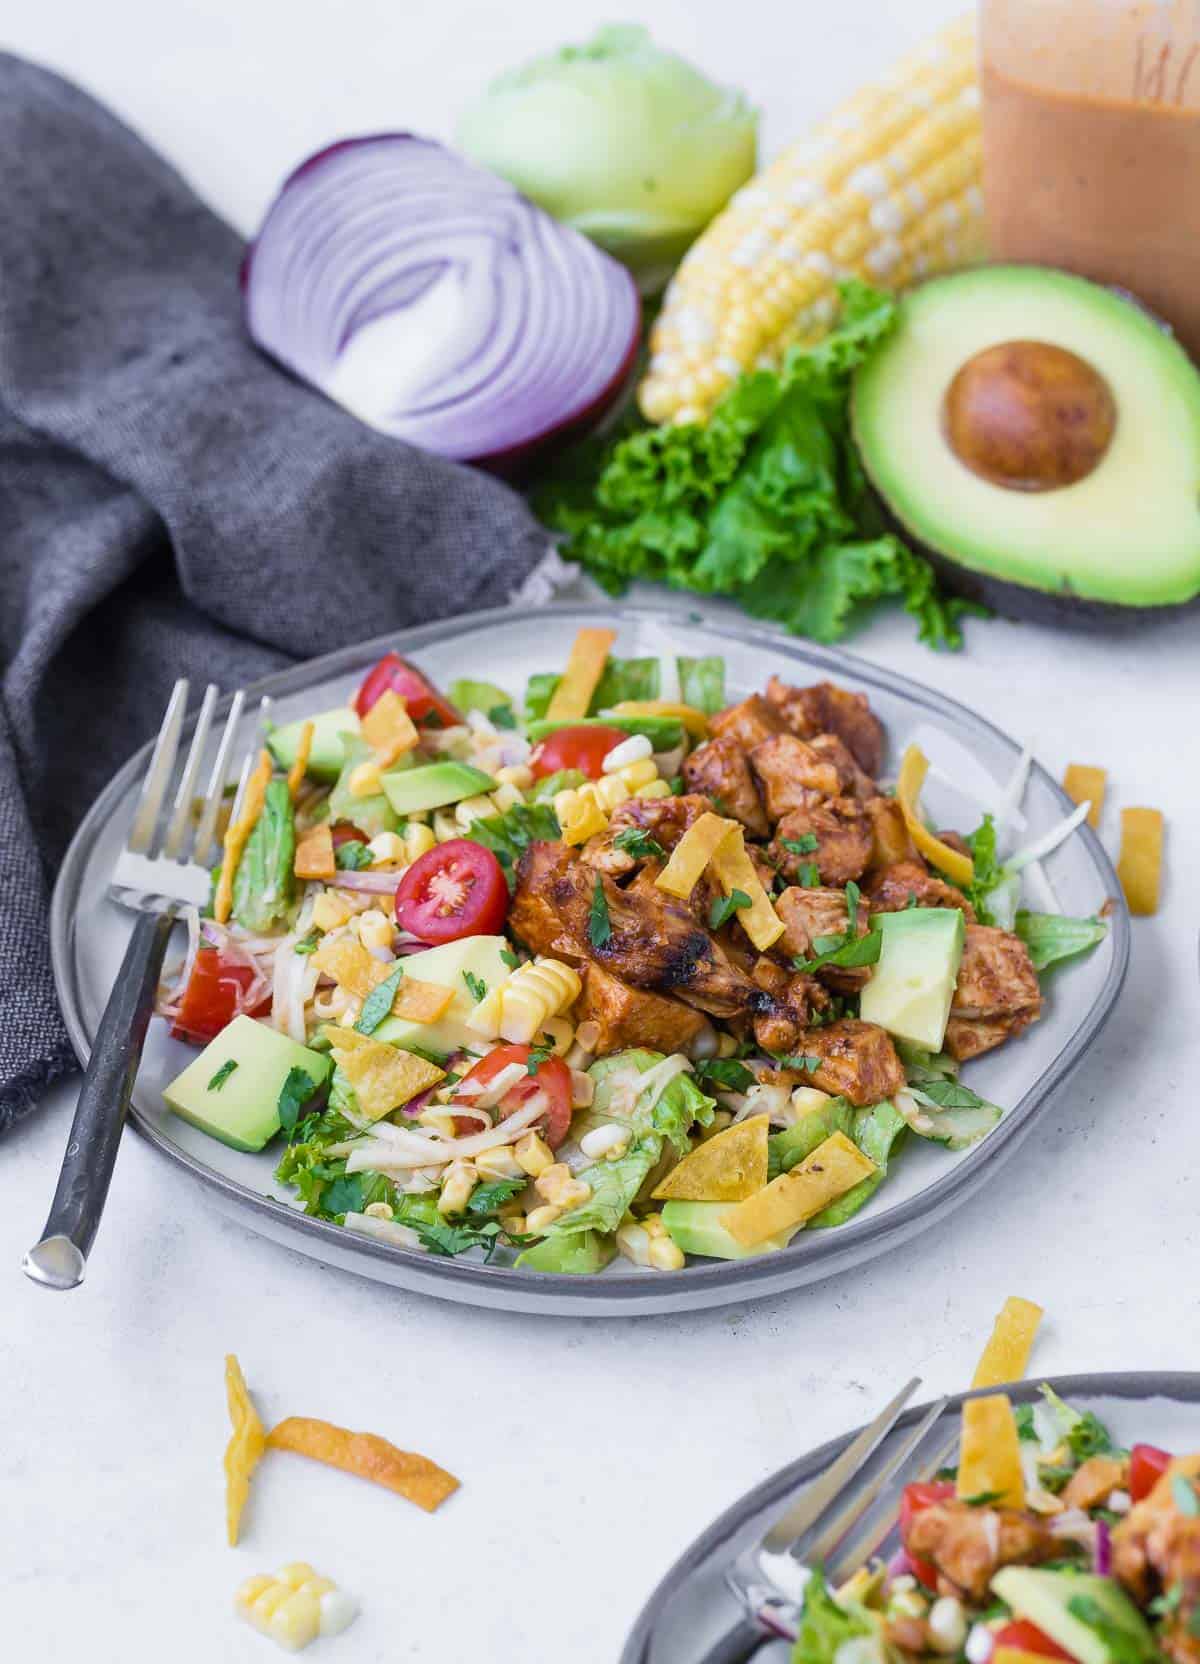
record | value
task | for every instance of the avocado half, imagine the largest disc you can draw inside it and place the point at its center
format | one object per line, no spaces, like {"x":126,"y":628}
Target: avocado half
{"x":1038,"y":437}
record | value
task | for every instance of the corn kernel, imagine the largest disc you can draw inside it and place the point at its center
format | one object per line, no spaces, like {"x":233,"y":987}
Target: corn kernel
{"x":386,"y":850}
{"x":633,"y":1242}
{"x":560,"y":1186}
{"x":515,"y":1224}
{"x":726,"y":1045}
{"x":632,"y":750}
{"x":296,"y":1620}
{"x":653,"y":1226}
{"x":498,"y":1163}
{"x":418,"y":840}
{"x":295,"y":1573}
{"x":605,"y":1143}
{"x":612,"y":791}
{"x":379,"y":1210}
{"x":638,"y":774}
{"x":457,"y":1185}
{"x":541,"y":1219}
{"x":656,"y":788}
{"x":329,"y":911}
{"x":262,"y":1608}
{"x":533,"y":1154}
{"x":375,"y":929}
{"x":445,"y":826}
{"x":559,"y":1031}
{"x":249,"y":1591}
{"x":504,"y":798}
{"x":519,"y":775}
{"x":567,"y":804}
{"x":473,"y":808}
{"x":666,"y":1255}
{"x":364,"y":781}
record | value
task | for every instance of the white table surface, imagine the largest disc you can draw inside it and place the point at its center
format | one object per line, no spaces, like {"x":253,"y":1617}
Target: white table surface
{"x":590,"y":1453}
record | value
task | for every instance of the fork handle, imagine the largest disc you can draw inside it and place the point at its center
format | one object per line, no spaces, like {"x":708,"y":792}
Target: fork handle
{"x":738,"y":1645}
{"x":59,"y":1260}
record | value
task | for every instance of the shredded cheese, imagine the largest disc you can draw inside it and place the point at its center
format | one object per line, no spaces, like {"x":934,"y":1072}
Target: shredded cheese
{"x":589,"y":655}
{"x":237,"y":835}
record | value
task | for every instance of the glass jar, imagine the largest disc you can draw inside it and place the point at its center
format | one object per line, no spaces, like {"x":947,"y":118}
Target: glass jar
{"x":1091,"y":127}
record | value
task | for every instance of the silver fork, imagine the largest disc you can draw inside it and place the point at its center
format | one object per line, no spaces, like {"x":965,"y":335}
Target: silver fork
{"x":164,"y":866}
{"x":767,"y":1577}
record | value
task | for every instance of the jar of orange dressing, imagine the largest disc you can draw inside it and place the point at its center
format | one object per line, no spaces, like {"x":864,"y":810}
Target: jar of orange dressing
{"x":1091,"y":126}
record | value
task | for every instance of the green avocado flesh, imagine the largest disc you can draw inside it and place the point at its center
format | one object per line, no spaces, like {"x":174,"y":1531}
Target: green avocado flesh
{"x":1126,"y":534}
{"x":696,"y":1228}
{"x":575,"y":1256}
{"x":1090,"y":1617}
{"x":911,"y":988}
{"x":325,"y":755}
{"x":433,"y":786}
{"x":240,"y":1106}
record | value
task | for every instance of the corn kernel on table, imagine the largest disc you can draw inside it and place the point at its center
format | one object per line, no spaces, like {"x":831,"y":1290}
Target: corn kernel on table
{"x":589,"y":1453}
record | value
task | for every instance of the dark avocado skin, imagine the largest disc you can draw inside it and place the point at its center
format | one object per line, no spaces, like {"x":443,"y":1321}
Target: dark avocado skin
{"x":1034,"y":606}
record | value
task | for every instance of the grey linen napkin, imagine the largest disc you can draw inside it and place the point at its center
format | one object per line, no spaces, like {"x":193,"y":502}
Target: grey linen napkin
{"x":171,"y":503}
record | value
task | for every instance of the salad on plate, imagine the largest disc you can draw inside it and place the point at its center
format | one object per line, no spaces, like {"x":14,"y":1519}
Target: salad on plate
{"x":1048,"y":1541}
{"x":622,"y":964}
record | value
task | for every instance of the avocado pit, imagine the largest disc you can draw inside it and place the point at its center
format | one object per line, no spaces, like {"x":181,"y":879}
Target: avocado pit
{"x":1029,"y":416}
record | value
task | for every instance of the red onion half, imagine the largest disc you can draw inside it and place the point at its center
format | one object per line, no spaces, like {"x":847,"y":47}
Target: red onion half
{"x":438,"y":304}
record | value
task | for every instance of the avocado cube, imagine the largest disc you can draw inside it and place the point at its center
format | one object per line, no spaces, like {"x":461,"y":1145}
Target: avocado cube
{"x":240,"y":1106}
{"x":912,"y":984}
{"x":696,"y":1228}
{"x":326,"y":754}
{"x":580,"y":1255}
{"x":1090,"y":1617}
{"x":482,"y":957}
{"x":434,"y":786}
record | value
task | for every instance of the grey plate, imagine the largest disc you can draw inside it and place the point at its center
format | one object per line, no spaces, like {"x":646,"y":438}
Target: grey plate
{"x":88,"y":935}
{"x":691,"y":1609}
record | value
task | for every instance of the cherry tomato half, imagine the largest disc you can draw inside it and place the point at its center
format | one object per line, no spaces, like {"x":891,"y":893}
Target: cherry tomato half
{"x":1027,"y":1637}
{"x":1147,"y":1464}
{"x":553,"y":1079}
{"x":417,"y":691}
{"x":212,"y":997}
{"x":914,"y":1500}
{"x":584,"y":748}
{"x":455,"y":890}
{"x":345,"y":832}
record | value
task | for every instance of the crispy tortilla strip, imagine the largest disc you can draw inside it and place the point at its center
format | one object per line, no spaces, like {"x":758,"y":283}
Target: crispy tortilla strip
{"x":314,"y":854}
{"x":589,"y":655}
{"x":237,"y":835}
{"x":734,"y":870}
{"x":1084,"y":784}
{"x":728,"y":1167}
{"x":834,"y":1167}
{"x":422,"y":1002}
{"x":692,"y":854}
{"x":1140,"y":864}
{"x":299,"y":768}
{"x":351,"y":966}
{"x":989,"y":1462}
{"x":1006,"y":1355}
{"x":914,"y":766}
{"x":1015,"y":1655}
{"x":245,"y":1449}
{"x":382,"y":1076}
{"x":388,"y":729}
{"x":368,"y":1456}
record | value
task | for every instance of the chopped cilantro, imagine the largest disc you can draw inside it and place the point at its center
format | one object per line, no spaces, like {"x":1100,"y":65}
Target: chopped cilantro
{"x":1163,"y":1605}
{"x":982,"y":1499}
{"x":1121,"y":1644}
{"x":631,"y":840}
{"x":805,"y":844}
{"x":378,"y":1003}
{"x":599,"y":923}
{"x":307,"y":944}
{"x":487,"y":1198}
{"x":476,"y":986}
{"x":809,"y":876}
{"x":853,"y":893}
{"x":538,"y":1055}
{"x":352,"y":856}
{"x":801,"y":1061}
{"x":295,"y":1092}
{"x":510,"y":958}
{"x":431,"y":719}
{"x":676,"y":785}
{"x":1089,"y":1437}
{"x":501,"y":716}
{"x":861,"y":950}
{"x":222,"y":1074}
{"x":724,"y":907}
{"x":724,"y":1072}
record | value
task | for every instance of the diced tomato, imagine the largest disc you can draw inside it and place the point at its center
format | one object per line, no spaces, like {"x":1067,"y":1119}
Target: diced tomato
{"x":584,"y":747}
{"x":914,"y":1500}
{"x":345,"y":832}
{"x":212,"y":997}
{"x":1027,"y":1637}
{"x":553,"y":1079}
{"x":417,"y":691}
{"x":455,"y":890}
{"x":1147,"y":1464}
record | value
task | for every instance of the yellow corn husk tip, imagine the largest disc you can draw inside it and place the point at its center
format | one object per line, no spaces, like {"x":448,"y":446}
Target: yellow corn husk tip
{"x":887,"y":189}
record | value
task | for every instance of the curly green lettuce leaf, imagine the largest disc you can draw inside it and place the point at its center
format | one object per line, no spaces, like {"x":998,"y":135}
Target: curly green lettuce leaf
{"x":876,"y":1130}
{"x":825,"y":1625}
{"x":1051,"y":937}
{"x":766,"y":501}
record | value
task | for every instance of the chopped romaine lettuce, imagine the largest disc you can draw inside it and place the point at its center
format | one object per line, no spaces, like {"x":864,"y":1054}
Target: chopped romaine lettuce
{"x":947,"y":1112}
{"x":466,"y":695}
{"x":263,"y":885}
{"x":825,"y":1625}
{"x":509,"y":835}
{"x":876,"y":1130}
{"x":1053,"y":936}
{"x":702,"y":683}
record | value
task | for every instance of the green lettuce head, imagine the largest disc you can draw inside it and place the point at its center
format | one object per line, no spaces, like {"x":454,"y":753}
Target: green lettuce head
{"x":620,"y":139}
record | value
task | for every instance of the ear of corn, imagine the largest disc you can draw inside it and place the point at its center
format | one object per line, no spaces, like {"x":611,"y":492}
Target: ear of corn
{"x":887,"y":189}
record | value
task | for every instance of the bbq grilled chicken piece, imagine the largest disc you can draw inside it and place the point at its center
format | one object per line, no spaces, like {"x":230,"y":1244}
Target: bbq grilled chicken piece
{"x":1092,"y":1481}
{"x":825,"y":709}
{"x":893,"y":888}
{"x":629,"y":1016}
{"x":796,"y":1002}
{"x":718,"y":769}
{"x":807,"y":914}
{"x":997,"y":993}
{"x":968,"y":1544}
{"x":858,"y":1061}
{"x":749,"y":723}
{"x":890,"y":840}
{"x":665,"y":819}
{"x":852,"y":780}
{"x":1156,"y":1547}
{"x":790,"y":772}
{"x":654,"y":941}
{"x":842,"y":829}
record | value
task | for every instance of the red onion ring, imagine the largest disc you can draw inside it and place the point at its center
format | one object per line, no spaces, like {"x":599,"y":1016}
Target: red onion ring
{"x":368,"y":883}
{"x":521,"y":330}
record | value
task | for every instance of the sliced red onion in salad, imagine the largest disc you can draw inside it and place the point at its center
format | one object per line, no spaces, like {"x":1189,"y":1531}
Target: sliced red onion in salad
{"x":436,"y":303}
